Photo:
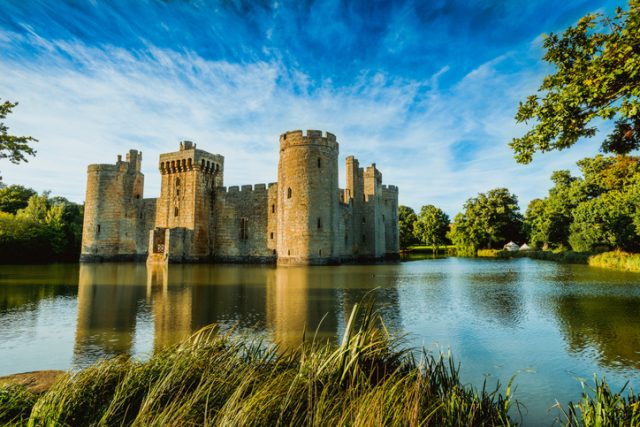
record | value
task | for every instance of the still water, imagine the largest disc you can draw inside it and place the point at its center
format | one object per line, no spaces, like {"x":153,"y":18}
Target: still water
{"x":550,"y":325}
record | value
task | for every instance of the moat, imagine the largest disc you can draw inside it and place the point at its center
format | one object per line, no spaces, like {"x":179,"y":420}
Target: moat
{"x":551,"y":325}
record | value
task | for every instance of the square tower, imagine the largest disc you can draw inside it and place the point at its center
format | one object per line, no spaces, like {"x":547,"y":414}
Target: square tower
{"x":187,"y":196}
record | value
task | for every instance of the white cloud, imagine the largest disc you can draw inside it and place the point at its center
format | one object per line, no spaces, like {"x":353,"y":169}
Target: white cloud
{"x":87,"y":104}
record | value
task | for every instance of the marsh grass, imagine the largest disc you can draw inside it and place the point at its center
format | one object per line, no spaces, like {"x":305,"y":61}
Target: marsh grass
{"x":600,"y":407}
{"x":370,"y":378}
{"x":618,"y":260}
{"x":15,"y":404}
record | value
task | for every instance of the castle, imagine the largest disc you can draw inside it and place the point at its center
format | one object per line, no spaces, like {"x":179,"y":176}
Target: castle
{"x":304,"y":218}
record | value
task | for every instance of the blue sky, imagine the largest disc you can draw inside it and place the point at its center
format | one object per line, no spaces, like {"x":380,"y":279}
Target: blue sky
{"x":425,"y":89}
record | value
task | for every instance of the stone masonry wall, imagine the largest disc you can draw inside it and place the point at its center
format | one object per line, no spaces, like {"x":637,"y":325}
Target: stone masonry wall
{"x":243,"y":218}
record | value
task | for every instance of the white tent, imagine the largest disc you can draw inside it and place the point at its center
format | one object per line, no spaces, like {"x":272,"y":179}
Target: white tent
{"x":525,"y":247}
{"x":511,"y":247}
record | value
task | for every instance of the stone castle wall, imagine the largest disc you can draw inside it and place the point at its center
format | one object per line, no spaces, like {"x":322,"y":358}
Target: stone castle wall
{"x":245,"y":223}
{"x":304,"y":218}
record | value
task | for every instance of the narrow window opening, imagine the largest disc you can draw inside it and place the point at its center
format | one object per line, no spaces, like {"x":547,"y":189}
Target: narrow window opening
{"x":273,"y":208}
{"x":364,"y":220}
{"x":383,"y":218}
{"x":320,"y":252}
{"x":98,"y":229}
{"x":289,"y":193}
{"x":274,"y":251}
{"x":346,"y":238}
{"x":271,"y":235}
{"x":137,"y":196}
{"x":176,"y":212}
{"x":319,"y":224}
{"x":244,"y":234}
{"x":141,"y":215}
{"x":364,"y":238}
{"x":319,"y":162}
{"x":289,"y":252}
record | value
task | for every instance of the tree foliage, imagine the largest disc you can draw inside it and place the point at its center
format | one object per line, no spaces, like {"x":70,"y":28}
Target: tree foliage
{"x":46,"y":229}
{"x":14,"y":197}
{"x":600,"y":210}
{"x":431,"y":226}
{"x":406,"y":220}
{"x":14,"y":148}
{"x":489,"y":220}
{"x":597,"y":76}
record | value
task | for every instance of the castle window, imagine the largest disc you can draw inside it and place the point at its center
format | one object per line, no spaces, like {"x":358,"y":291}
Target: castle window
{"x":364,"y":238}
{"x":273,"y":208}
{"x":137,"y":196}
{"x":289,"y":252}
{"x":274,"y":251}
{"x":271,"y":235}
{"x":320,"y":252}
{"x":319,"y":224}
{"x":383,"y":218}
{"x":364,"y":220}
{"x":346,"y":238}
{"x":244,"y":234}
{"x":98,"y":229}
{"x":319,"y":162}
{"x":176,"y":211}
{"x":289,"y":193}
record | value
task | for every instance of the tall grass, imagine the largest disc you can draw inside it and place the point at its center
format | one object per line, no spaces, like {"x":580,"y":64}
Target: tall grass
{"x":600,"y":407}
{"x":616,"y":260}
{"x":214,"y":379}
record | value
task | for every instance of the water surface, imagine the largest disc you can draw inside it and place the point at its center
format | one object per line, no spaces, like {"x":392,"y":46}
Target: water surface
{"x":550,"y":325}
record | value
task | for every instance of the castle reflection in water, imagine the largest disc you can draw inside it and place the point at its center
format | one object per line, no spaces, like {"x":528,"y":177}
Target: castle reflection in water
{"x":118,"y":304}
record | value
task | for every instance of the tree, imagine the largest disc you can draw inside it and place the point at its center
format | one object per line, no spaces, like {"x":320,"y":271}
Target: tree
{"x":489,"y":220}
{"x":406,"y":220}
{"x":432,"y":226}
{"x":597,"y":76}
{"x":14,"y":148}
{"x":600,"y":210}
{"x":15,"y":197}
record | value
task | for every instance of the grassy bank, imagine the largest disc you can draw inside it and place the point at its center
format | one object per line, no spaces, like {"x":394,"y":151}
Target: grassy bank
{"x":213,"y":379}
{"x":617,"y":260}
{"x":568,"y":257}
{"x":369,"y":379}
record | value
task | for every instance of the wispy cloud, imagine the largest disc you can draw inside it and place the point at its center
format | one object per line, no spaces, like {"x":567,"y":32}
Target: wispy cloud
{"x":441,"y":133}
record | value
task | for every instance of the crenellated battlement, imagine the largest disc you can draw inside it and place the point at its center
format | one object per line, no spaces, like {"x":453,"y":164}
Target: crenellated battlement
{"x":390,"y":188}
{"x":244,"y":189}
{"x":311,"y":137}
{"x":189,"y":158}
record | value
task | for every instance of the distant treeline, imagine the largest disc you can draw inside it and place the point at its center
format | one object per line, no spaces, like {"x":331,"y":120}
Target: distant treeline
{"x":38,"y":228}
{"x":596,"y":212}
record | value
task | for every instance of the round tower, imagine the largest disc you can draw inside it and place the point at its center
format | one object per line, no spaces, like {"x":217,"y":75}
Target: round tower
{"x":307,"y":205}
{"x":110,"y":210}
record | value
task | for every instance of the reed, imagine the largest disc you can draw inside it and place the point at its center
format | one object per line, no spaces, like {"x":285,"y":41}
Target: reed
{"x":370,"y":378}
{"x":617,"y":260}
{"x":600,"y":407}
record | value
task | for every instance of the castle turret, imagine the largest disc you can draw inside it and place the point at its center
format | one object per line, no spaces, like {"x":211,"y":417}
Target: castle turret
{"x":307,"y":198}
{"x":114,"y":193}
{"x":185,"y":207}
